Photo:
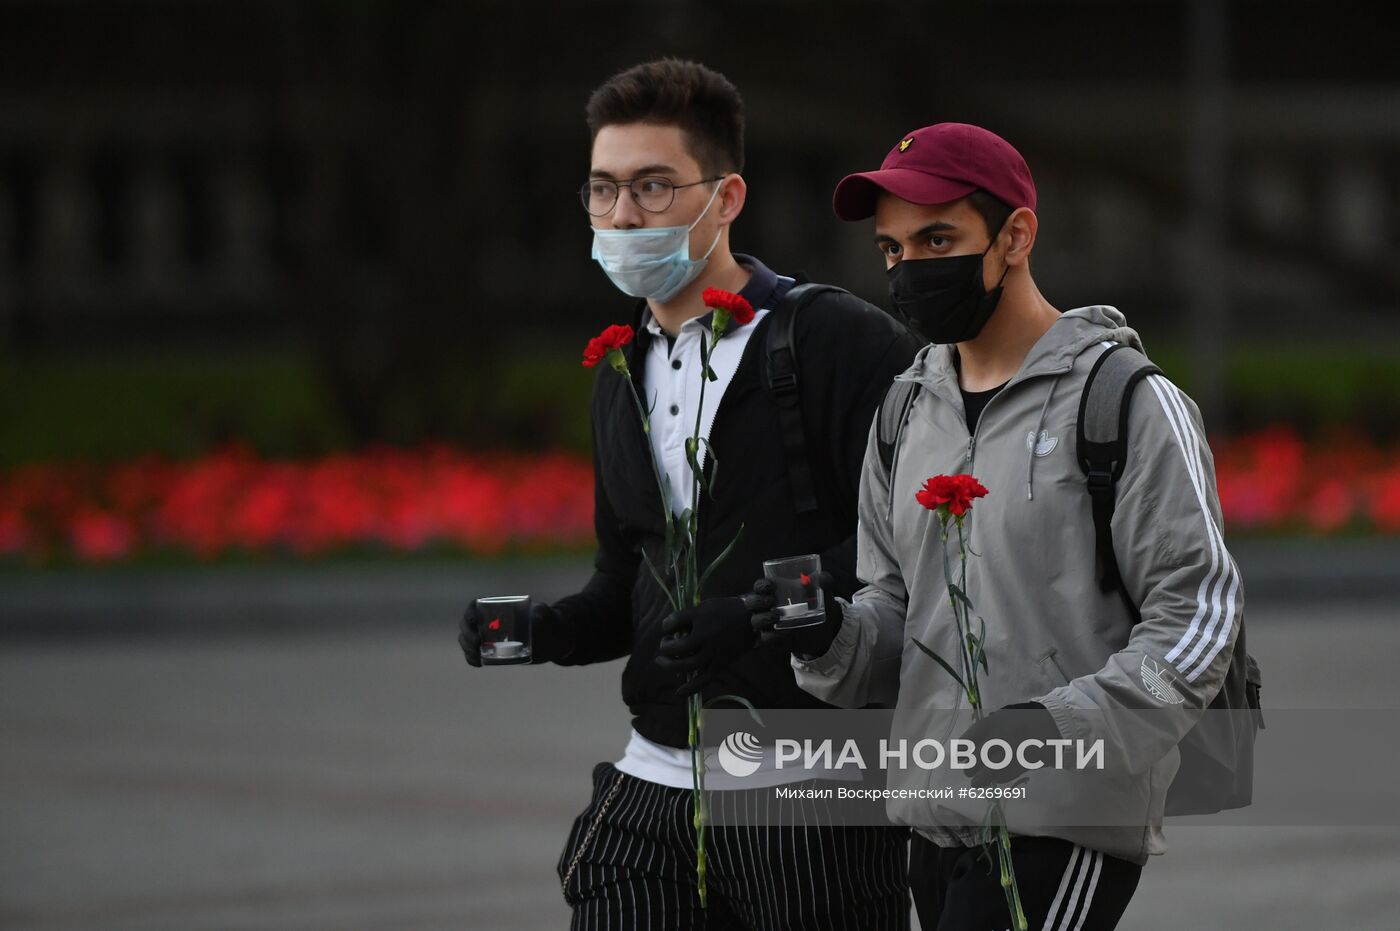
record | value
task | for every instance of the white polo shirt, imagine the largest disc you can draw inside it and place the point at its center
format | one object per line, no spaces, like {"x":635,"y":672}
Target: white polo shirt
{"x":672,"y":382}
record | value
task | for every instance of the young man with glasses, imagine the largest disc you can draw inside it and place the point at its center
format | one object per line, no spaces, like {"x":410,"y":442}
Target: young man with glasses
{"x":664,"y":189}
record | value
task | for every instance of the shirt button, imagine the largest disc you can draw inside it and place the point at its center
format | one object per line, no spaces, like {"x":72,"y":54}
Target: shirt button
{"x":675,"y":363}
{"x":675,"y":409}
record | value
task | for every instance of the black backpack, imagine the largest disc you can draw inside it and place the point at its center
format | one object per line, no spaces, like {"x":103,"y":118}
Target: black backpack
{"x":1217,"y":755}
{"x":782,"y":379}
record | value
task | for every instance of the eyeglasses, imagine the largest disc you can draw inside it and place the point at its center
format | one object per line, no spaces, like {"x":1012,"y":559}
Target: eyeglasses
{"x":652,"y":194}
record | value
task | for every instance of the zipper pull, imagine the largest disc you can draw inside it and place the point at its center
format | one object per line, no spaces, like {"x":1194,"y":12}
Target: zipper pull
{"x":970,"y":441}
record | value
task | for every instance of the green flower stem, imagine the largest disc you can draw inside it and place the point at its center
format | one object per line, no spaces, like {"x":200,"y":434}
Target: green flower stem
{"x":1008,"y":872}
{"x":967,"y":655}
{"x":701,"y":816}
{"x":974,"y":697}
{"x":699,"y":415}
{"x":682,"y":554}
{"x":646,"y":430}
{"x":969,"y":670}
{"x":695,"y":705}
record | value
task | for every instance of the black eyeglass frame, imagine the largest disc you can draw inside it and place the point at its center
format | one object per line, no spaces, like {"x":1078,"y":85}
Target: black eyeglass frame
{"x":583,"y":192}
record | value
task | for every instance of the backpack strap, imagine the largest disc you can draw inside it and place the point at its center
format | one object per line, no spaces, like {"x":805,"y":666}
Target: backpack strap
{"x":894,"y":410}
{"x":1102,"y":446}
{"x":781,"y":375}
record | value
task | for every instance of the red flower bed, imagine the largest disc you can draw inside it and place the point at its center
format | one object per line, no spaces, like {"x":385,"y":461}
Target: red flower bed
{"x":1273,"y":481}
{"x":400,"y":501}
{"x":234,"y":502}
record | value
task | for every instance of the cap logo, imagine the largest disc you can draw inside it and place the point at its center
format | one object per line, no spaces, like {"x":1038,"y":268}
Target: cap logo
{"x":905,"y":143}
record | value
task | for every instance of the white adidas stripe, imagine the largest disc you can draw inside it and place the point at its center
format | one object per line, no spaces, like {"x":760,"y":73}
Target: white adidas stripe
{"x":1088,"y":901}
{"x":1192,"y":667}
{"x":1220,"y":639}
{"x":1227,"y":612}
{"x":1202,"y":602}
{"x":1222,"y":567}
{"x":1070,"y":869}
{"x":1075,"y":899}
{"x":1201,"y":599}
{"x":1197,"y":469}
{"x":1234,"y":575}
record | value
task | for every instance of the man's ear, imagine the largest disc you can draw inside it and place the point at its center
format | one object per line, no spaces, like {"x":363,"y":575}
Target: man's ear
{"x":732,"y":194}
{"x":1019,"y":231}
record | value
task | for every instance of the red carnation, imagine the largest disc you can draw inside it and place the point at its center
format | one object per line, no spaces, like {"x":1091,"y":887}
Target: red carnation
{"x":604,"y":344}
{"x":495,"y":624}
{"x":955,"y":493}
{"x":730,"y":303}
{"x":806,"y":579}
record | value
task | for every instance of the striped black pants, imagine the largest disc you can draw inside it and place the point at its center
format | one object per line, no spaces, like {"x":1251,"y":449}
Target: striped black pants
{"x":1063,"y":887}
{"x":630,"y":864}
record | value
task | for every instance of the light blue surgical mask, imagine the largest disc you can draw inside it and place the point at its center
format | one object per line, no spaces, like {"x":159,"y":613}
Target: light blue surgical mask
{"x":652,"y":263}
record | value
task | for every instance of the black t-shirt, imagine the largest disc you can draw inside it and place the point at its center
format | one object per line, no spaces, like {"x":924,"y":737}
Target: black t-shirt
{"x":974,"y":401}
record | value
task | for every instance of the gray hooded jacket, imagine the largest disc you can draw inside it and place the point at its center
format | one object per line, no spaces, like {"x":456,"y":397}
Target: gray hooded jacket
{"x":1052,"y":635}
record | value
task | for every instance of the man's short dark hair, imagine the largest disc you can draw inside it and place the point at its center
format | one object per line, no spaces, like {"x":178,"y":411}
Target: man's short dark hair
{"x":700,"y":102}
{"x":994,"y":210}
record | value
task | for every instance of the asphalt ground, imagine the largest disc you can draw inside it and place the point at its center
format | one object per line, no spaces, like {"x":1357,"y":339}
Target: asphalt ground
{"x":258,"y":763}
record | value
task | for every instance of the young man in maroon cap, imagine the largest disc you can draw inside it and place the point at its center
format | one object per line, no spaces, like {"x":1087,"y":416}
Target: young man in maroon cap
{"x":998,"y":395}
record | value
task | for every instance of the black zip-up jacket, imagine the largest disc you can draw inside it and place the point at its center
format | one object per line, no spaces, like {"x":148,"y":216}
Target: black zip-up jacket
{"x":848,"y":353}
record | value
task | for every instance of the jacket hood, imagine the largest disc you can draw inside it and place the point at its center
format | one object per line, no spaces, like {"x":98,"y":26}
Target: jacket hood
{"x":1075,"y":331}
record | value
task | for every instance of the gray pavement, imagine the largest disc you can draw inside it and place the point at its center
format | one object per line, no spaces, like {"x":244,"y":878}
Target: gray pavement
{"x":248,"y":599}
{"x":362,"y":777}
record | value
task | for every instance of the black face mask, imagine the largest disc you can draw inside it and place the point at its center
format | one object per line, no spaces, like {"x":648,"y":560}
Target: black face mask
{"x":943,"y":298}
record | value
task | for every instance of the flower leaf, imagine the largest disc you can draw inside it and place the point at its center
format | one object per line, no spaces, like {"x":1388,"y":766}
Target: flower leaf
{"x":942,"y":662}
{"x":713,"y":471}
{"x":720,"y":558}
{"x":670,"y":520}
{"x":690,"y":455}
{"x":753,"y":712}
{"x":976,"y":652}
{"x":959,"y":595}
{"x":670,"y":595}
{"x":985,"y":835}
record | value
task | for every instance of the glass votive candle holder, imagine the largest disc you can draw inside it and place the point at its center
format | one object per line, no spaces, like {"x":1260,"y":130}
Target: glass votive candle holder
{"x":505,"y":629}
{"x":798,"y":592}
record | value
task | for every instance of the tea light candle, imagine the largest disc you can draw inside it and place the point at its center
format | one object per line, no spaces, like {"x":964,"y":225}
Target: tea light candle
{"x":789,"y":611}
{"x":508,"y":649}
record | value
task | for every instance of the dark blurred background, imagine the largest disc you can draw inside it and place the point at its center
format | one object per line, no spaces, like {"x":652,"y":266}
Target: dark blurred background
{"x":313,"y":226}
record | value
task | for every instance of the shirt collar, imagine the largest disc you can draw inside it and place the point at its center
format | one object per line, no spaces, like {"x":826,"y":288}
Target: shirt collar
{"x":759,"y":291}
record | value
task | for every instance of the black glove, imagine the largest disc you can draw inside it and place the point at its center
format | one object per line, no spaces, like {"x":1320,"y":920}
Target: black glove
{"x":806,"y":642}
{"x":1027,"y":720}
{"x":550,"y":639}
{"x":706,"y":638}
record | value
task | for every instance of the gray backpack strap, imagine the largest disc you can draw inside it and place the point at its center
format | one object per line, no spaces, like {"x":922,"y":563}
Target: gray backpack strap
{"x":1102,"y":438}
{"x":894,"y":410}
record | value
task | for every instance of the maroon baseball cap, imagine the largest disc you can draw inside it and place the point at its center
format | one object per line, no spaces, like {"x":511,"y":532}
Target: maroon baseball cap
{"x":939,"y":164}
